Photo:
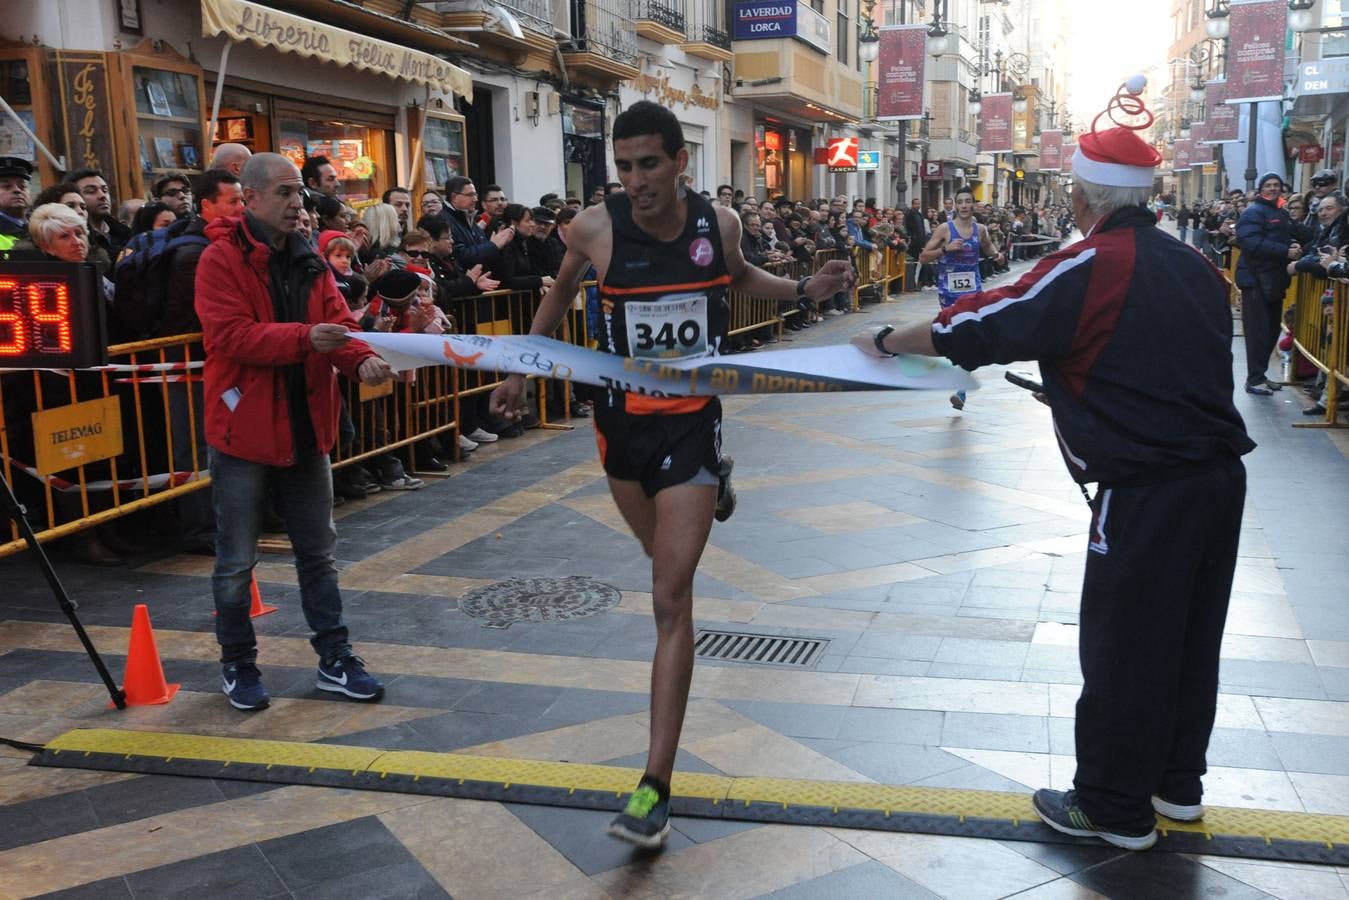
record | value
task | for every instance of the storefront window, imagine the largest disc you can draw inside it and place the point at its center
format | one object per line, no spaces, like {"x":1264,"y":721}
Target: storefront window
{"x":444,"y":149}
{"x":169,"y":114}
{"x":15,"y":88}
{"x":352,"y":149}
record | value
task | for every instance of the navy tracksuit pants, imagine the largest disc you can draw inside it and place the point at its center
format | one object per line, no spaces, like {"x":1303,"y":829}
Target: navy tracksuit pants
{"x":1154,"y":601}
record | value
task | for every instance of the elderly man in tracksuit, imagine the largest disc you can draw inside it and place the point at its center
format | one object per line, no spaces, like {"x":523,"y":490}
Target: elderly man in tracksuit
{"x":1132,"y":331}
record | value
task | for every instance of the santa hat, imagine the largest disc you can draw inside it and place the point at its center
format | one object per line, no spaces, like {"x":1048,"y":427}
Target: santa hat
{"x":1118,"y":157}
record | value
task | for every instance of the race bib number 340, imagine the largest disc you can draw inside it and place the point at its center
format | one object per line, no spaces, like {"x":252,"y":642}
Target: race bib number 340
{"x":673,"y":327}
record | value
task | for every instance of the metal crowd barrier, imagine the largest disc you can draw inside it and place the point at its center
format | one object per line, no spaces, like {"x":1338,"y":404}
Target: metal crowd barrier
{"x":159,"y":454}
{"x":1321,"y":335}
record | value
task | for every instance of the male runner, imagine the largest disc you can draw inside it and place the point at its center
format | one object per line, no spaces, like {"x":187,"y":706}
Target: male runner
{"x":665,"y":259}
{"x":955,"y":246}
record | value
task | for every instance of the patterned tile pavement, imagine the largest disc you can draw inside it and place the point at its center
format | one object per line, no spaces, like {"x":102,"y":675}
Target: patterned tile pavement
{"x":938,"y":553}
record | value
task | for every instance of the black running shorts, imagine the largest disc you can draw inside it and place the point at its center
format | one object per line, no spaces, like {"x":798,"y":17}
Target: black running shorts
{"x":662,"y":450}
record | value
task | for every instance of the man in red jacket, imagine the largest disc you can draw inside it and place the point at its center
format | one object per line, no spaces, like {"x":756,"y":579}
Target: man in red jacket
{"x":274,"y":326}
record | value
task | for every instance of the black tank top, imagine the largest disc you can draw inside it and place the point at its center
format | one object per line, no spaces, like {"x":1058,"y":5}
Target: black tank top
{"x":664,"y":300}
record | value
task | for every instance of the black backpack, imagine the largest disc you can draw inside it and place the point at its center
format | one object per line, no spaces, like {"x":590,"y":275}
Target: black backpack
{"x":141,"y":279}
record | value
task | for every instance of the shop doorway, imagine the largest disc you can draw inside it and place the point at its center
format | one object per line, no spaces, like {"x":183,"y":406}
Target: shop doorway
{"x":480,"y":135}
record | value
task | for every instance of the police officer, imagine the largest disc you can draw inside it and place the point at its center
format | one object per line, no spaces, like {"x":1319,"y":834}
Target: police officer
{"x":15,"y":174}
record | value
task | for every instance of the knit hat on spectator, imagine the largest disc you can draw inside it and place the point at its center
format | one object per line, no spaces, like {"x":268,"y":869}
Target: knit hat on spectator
{"x":397,"y":285}
{"x":421,"y":272}
{"x":1118,"y":157}
{"x":326,"y":236}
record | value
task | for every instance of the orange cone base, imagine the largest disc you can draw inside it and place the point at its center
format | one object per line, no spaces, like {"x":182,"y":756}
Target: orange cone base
{"x":169,"y":691}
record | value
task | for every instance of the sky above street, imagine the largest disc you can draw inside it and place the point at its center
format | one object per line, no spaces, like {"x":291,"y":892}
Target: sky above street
{"x":1110,"y":42}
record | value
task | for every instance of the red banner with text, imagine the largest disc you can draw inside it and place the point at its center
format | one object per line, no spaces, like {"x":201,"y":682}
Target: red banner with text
{"x":1255,"y":50}
{"x":1222,"y":119}
{"x":1068,"y":151}
{"x":1051,"y":151}
{"x":901,"y":56}
{"x":1181,"y":152}
{"x":995,"y":121}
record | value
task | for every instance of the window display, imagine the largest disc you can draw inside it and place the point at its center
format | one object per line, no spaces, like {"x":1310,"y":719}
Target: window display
{"x":168,"y":111}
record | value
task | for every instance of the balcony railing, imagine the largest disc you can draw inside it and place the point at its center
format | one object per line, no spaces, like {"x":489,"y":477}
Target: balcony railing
{"x":605,"y":28}
{"x":703,"y":21}
{"x":536,"y":15}
{"x":669,"y":13}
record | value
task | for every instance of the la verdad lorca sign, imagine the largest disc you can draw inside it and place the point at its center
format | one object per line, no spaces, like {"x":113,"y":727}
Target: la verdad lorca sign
{"x":758,"y":20}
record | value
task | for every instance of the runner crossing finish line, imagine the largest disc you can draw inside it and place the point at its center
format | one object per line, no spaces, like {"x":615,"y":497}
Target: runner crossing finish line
{"x":806,"y":370}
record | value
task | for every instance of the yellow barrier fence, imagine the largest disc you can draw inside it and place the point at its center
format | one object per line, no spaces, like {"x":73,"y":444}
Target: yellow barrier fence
{"x":1321,"y":335}
{"x":149,"y":446}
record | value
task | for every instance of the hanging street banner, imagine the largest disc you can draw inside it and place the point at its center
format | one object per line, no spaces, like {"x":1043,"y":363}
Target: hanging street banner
{"x":1181,"y":152}
{"x":901,"y":56}
{"x":1255,"y":50}
{"x":1221,"y":118}
{"x":1201,"y":154}
{"x":841,"y":367}
{"x":1051,"y":151}
{"x":1068,"y":151}
{"x":995,"y":120}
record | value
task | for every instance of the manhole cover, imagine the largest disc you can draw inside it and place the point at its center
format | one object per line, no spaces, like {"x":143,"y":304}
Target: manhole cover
{"x":539,"y":600}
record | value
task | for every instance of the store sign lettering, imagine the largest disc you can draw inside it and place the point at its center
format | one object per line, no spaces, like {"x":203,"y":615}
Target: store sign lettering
{"x":84,"y":108}
{"x":668,"y":95}
{"x":246,"y":21}
{"x":758,"y":20}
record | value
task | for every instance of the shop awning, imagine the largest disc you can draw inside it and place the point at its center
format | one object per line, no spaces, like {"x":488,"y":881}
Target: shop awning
{"x":241,"y":20}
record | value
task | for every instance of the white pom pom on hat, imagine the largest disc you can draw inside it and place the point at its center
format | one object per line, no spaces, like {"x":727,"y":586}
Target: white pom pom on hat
{"x":1118,"y":157}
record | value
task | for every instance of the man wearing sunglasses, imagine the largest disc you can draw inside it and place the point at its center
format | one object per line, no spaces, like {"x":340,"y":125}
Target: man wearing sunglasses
{"x":1324,"y":183}
{"x":175,"y":192}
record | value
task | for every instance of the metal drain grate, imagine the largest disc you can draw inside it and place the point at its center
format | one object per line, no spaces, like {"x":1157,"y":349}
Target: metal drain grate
{"x":758,"y":649}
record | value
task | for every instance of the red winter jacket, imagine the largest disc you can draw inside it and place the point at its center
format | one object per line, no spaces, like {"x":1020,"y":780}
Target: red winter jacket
{"x":246,"y":349}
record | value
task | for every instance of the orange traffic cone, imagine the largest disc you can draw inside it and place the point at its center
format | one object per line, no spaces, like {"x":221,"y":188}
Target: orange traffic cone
{"x":144,"y":680}
{"x":257,"y":607}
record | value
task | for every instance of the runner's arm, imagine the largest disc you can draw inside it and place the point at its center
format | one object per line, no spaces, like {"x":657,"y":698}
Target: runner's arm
{"x":935,"y":245}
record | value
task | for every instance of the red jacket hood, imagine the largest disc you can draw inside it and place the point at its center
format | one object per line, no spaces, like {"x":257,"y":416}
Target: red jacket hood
{"x":235,"y":228}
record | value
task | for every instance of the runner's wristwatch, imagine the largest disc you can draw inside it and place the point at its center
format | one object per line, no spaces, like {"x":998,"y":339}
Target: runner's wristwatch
{"x":880,"y":337}
{"x":801,"y":286}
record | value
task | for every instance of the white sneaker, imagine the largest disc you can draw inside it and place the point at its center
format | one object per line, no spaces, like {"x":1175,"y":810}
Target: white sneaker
{"x":482,"y":436}
{"x":833,"y":312}
{"x":1178,"y":812}
{"x":467,"y":446}
{"x":403,"y":483}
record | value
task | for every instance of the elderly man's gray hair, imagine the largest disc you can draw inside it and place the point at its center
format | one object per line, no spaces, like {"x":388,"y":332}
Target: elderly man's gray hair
{"x":1103,"y":199}
{"x":263,"y":168}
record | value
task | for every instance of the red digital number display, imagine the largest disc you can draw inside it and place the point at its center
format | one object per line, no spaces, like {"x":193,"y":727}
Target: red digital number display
{"x":51,"y":316}
{"x":34,"y":317}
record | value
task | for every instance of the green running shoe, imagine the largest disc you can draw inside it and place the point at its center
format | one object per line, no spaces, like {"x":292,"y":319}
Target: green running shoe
{"x":725,"y":493}
{"x":645,"y":821}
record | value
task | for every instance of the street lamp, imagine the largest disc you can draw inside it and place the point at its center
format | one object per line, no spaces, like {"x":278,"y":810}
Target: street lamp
{"x":868,"y":41}
{"x":976,"y":102}
{"x":937,"y":32}
{"x":1300,"y":15}
{"x":1219,"y":23}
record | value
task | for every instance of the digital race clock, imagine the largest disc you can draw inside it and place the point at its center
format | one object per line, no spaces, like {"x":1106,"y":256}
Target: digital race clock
{"x":51,"y":316}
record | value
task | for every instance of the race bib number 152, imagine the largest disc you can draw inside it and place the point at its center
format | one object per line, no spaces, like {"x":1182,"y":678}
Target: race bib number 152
{"x":960,"y":282}
{"x":674,"y":327}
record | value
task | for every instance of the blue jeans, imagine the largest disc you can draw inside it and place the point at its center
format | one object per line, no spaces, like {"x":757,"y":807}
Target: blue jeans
{"x":304,"y":494}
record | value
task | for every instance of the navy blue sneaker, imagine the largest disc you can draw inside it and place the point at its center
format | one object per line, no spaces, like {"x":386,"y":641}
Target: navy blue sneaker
{"x":645,"y":821}
{"x":1059,"y":810}
{"x":242,"y":683}
{"x":348,"y":676}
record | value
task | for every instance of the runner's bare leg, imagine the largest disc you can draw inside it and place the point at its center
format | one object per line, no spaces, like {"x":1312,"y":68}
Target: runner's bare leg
{"x":682,"y":521}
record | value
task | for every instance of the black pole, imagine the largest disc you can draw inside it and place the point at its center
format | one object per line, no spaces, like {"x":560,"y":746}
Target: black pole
{"x":1251,"y":174}
{"x":15,"y":512}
